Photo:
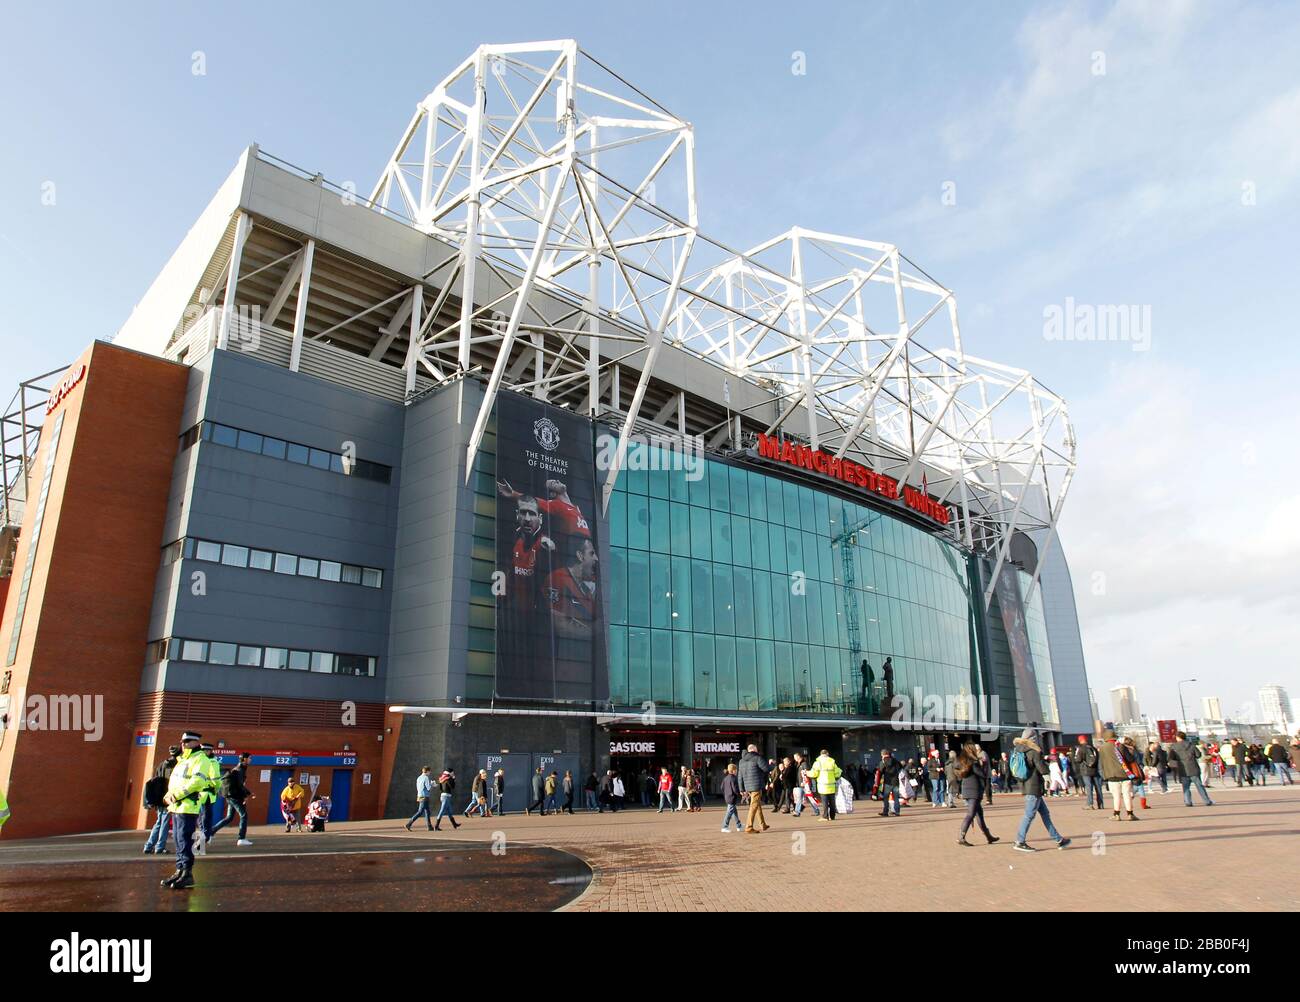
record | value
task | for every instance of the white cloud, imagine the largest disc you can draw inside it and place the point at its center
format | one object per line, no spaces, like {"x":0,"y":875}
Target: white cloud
{"x":1188,"y":502}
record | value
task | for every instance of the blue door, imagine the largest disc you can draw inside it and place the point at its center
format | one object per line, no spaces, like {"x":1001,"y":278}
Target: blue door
{"x":340,"y":794}
{"x":279,"y":779}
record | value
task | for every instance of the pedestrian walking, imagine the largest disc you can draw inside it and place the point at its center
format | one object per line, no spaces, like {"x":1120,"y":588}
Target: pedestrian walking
{"x":753,"y":777}
{"x":292,"y":800}
{"x":186,"y":786}
{"x":1027,"y":765}
{"x":568,"y":791}
{"x":731,"y":797}
{"x":539,"y":793}
{"x":827,"y":773}
{"x":550,"y":786}
{"x":423,"y":800}
{"x":1116,"y":770}
{"x":446,"y":791}
{"x":938,"y":779}
{"x":1276,"y":753}
{"x":973,"y":772}
{"x":589,"y":789}
{"x":1182,"y":760}
{"x":499,"y":792}
{"x":887,"y":779}
{"x":234,"y":788}
{"x":665,"y":790}
{"x":1085,"y":764}
{"x":155,"y":790}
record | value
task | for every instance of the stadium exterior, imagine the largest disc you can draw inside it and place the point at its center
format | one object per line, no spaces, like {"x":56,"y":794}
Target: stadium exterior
{"x":508,"y":464}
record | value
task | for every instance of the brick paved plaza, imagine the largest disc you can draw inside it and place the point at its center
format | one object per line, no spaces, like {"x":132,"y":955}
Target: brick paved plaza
{"x":1238,"y":855}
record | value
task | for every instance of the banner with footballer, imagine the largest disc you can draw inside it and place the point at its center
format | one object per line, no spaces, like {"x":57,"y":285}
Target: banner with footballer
{"x":550,"y":628}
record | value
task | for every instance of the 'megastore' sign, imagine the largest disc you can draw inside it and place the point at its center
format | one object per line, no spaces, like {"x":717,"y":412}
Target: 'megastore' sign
{"x":850,"y":472}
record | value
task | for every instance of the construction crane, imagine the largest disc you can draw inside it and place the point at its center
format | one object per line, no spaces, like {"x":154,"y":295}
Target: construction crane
{"x":846,"y":540}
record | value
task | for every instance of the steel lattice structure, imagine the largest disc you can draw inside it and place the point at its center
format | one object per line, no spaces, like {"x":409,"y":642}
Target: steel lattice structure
{"x":554,"y":181}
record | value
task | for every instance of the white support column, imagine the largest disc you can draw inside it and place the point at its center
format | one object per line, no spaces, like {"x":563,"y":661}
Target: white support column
{"x":413,"y":350}
{"x":469,"y":247}
{"x":300,"y":311}
{"x":516,"y":314}
{"x":232,"y":280}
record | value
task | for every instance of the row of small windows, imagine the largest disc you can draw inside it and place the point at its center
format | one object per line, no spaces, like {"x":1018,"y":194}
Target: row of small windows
{"x":214,"y":652}
{"x":278,"y":448}
{"x":252,"y":558}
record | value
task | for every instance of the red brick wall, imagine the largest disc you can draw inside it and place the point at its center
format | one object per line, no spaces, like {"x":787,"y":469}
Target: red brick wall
{"x":84,"y":631}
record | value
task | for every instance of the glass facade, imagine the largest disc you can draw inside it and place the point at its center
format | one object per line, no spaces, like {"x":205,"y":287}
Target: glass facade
{"x":1036,"y":628}
{"x":741,"y":591}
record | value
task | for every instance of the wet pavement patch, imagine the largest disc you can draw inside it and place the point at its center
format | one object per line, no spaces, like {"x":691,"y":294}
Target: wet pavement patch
{"x":314,"y":873}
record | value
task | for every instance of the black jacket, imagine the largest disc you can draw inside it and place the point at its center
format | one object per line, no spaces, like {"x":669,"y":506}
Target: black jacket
{"x":730,"y":789}
{"x":1158,"y":758}
{"x":234,"y":785}
{"x":753,"y":772}
{"x":975,"y":782}
{"x":1182,"y":758}
{"x":1084,"y":758}
{"x":889,"y":770}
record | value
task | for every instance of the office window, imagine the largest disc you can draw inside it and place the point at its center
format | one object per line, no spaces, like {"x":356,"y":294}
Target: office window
{"x":234,"y":556}
{"x":352,"y":664}
{"x":194,"y":650}
{"x":249,"y":657}
{"x":299,"y":660}
{"x":207,"y":551}
{"x":372,"y":577}
{"x":330,"y":570}
{"x":351,"y":574}
{"x":221,"y":654}
{"x":286,"y":563}
{"x":308,"y":568}
{"x":273,"y":447}
{"x":319,"y":458}
{"x":322,"y":661}
{"x":249,"y":441}
{"x":223,"y":435}
{"x":297,"y":453}
{"x":260,"y":560}
{"x":275,"y":657}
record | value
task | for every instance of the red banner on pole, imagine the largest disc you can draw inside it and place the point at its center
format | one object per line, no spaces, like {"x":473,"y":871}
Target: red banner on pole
{"x":1168,"y":729}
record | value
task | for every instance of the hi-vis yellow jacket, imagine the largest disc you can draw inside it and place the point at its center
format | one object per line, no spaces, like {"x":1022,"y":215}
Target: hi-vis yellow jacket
{"x":4,"y":809}
{"x":827,"y":774}
{"x":188,"y":782}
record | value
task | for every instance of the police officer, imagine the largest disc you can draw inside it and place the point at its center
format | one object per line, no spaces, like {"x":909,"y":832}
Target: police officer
{"x":211,"y":769}
{"x":186,"y":787}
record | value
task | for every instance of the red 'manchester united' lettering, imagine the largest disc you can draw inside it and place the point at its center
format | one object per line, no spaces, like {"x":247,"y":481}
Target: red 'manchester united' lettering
{"x":796,"y":454}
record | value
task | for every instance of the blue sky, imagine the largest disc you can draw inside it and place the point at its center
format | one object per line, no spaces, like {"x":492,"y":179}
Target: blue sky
{"x":1171,"y":180}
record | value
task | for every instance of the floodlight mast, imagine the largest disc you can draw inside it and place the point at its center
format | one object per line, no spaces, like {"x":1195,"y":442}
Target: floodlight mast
{"x":554,"y":180}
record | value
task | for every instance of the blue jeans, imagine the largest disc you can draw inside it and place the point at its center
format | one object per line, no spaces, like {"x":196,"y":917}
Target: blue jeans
{"x":1091,"y":786}
{"x":1260,"y":774}
{"x":183,"y":826}
{"x":1283,"y":771}
{"x":732,"y":813}
{"x":940,"y":791}
{"x":1036,"y":805}
{"x":591,"y":800}
{"x":422,"y":811}
{"x":444,"y":808}
{"x":549,"y":804}
{"x":158,"y":833}
{"x":1190,"y":781}
{"x":232,"y":809}
{"x":666,"y":799}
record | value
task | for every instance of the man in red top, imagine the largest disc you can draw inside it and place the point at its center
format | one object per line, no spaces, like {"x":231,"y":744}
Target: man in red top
{"x":665,"y":790}
{"x":529,"y":541}
{"x":571,"y":592}
{"x":566,"y":517}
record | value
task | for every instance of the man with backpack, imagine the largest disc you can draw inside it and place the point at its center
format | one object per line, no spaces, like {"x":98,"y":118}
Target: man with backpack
{"x":1085,"y":767}
{"x":155,"y":790}
{"x":234,"y":788}
{"x":1027,"y":765}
